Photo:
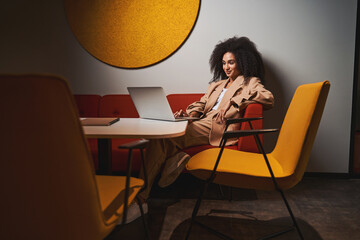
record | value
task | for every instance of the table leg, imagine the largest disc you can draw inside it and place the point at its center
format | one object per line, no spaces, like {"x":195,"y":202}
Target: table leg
{"x":104,"y":156}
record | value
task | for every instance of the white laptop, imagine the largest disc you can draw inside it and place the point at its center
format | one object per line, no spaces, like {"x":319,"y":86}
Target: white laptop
{"x":151,"y":103}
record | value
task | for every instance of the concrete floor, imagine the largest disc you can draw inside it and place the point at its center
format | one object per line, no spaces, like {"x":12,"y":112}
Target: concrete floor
{"x":325,"y":208}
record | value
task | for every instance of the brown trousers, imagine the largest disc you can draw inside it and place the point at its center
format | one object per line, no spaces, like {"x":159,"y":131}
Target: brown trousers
{"x":160,"y":150}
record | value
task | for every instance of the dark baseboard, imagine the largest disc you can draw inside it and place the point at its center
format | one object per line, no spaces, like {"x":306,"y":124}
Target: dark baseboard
{"x":329,"y":175}
{"x":355,"y":175}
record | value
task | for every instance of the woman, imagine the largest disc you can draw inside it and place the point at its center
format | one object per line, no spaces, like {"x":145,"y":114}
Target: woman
{"x":238,"y":62}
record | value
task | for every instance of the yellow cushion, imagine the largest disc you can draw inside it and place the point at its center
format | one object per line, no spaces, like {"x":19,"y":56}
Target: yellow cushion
{"x":111,"y":191}
{"x":233,"y":161}
{"x":236,"y":168}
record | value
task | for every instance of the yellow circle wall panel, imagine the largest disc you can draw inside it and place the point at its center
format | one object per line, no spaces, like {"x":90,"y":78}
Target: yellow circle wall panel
{"x":131,"y":33}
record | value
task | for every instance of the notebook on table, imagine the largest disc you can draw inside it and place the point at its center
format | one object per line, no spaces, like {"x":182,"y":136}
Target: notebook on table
{"x":98,"y":121}
{"x":151,"y":103}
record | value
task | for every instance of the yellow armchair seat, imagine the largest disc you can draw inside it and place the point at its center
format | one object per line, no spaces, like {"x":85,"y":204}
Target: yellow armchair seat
{"x":235,"y":168}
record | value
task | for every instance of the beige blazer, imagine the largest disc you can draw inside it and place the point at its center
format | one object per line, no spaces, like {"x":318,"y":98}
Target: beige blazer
{"x":240,"y":94}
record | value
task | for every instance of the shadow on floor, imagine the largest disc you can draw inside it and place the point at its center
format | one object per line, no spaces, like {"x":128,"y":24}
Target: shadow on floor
{"x":188,"y":186}
{"x":238,"y":228}
{"x":185,"y":187}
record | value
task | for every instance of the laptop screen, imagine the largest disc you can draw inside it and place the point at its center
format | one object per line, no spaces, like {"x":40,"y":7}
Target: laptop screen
{"x":151,"y":103}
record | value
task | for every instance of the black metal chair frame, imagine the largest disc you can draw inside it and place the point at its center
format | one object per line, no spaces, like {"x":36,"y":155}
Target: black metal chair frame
{"x":140,"y":144}
{"x":236,"y":134}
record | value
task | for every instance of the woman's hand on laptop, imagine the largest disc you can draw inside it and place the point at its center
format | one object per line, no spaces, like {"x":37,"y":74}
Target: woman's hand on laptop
{"x":180,"y":113}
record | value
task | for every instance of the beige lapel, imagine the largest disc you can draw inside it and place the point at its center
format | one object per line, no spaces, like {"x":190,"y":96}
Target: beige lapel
{"x":231,"y":90}
{"x":214,"y":96}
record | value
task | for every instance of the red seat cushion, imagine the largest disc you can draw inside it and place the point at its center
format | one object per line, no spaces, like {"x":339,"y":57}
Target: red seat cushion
{"x":88,"y":105}
{"x":92,"y":142}
{"x":120,"y":156}
{"x":248,"y":144}
{"x":119,"y":105}
{"x":181,"y":101}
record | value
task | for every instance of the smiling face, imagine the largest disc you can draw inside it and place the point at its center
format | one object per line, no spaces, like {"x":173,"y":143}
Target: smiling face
{"x":230,"y":66}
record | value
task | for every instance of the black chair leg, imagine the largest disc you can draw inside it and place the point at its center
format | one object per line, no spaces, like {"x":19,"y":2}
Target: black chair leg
{"x":222,"y":196}
{"x":294,"y":226}
{"x":143,"y":218}
{"x":196,"y":208}
{"x":231,"y":194}
{"x":140,"y":144}
{"x":261,"y":150}
{"x":291,"y":214}
{"x":195,"y":211}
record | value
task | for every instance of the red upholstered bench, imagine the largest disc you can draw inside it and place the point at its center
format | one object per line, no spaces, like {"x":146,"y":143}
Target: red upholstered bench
{"x":88,"y":106}
{"x":121,"y":105}
{"x":117,"y":105}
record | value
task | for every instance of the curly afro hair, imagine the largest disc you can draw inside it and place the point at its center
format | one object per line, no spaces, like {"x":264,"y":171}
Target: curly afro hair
{"x":248,"y":58}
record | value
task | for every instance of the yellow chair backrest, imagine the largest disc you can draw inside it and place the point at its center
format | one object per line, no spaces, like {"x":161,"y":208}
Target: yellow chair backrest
{"x":47,"y":180}
{"x":299,"y":128}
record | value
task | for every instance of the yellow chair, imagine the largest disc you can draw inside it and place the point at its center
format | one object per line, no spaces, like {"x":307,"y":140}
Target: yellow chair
{"x":279,"y":170}
{"x":48,"y":185}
